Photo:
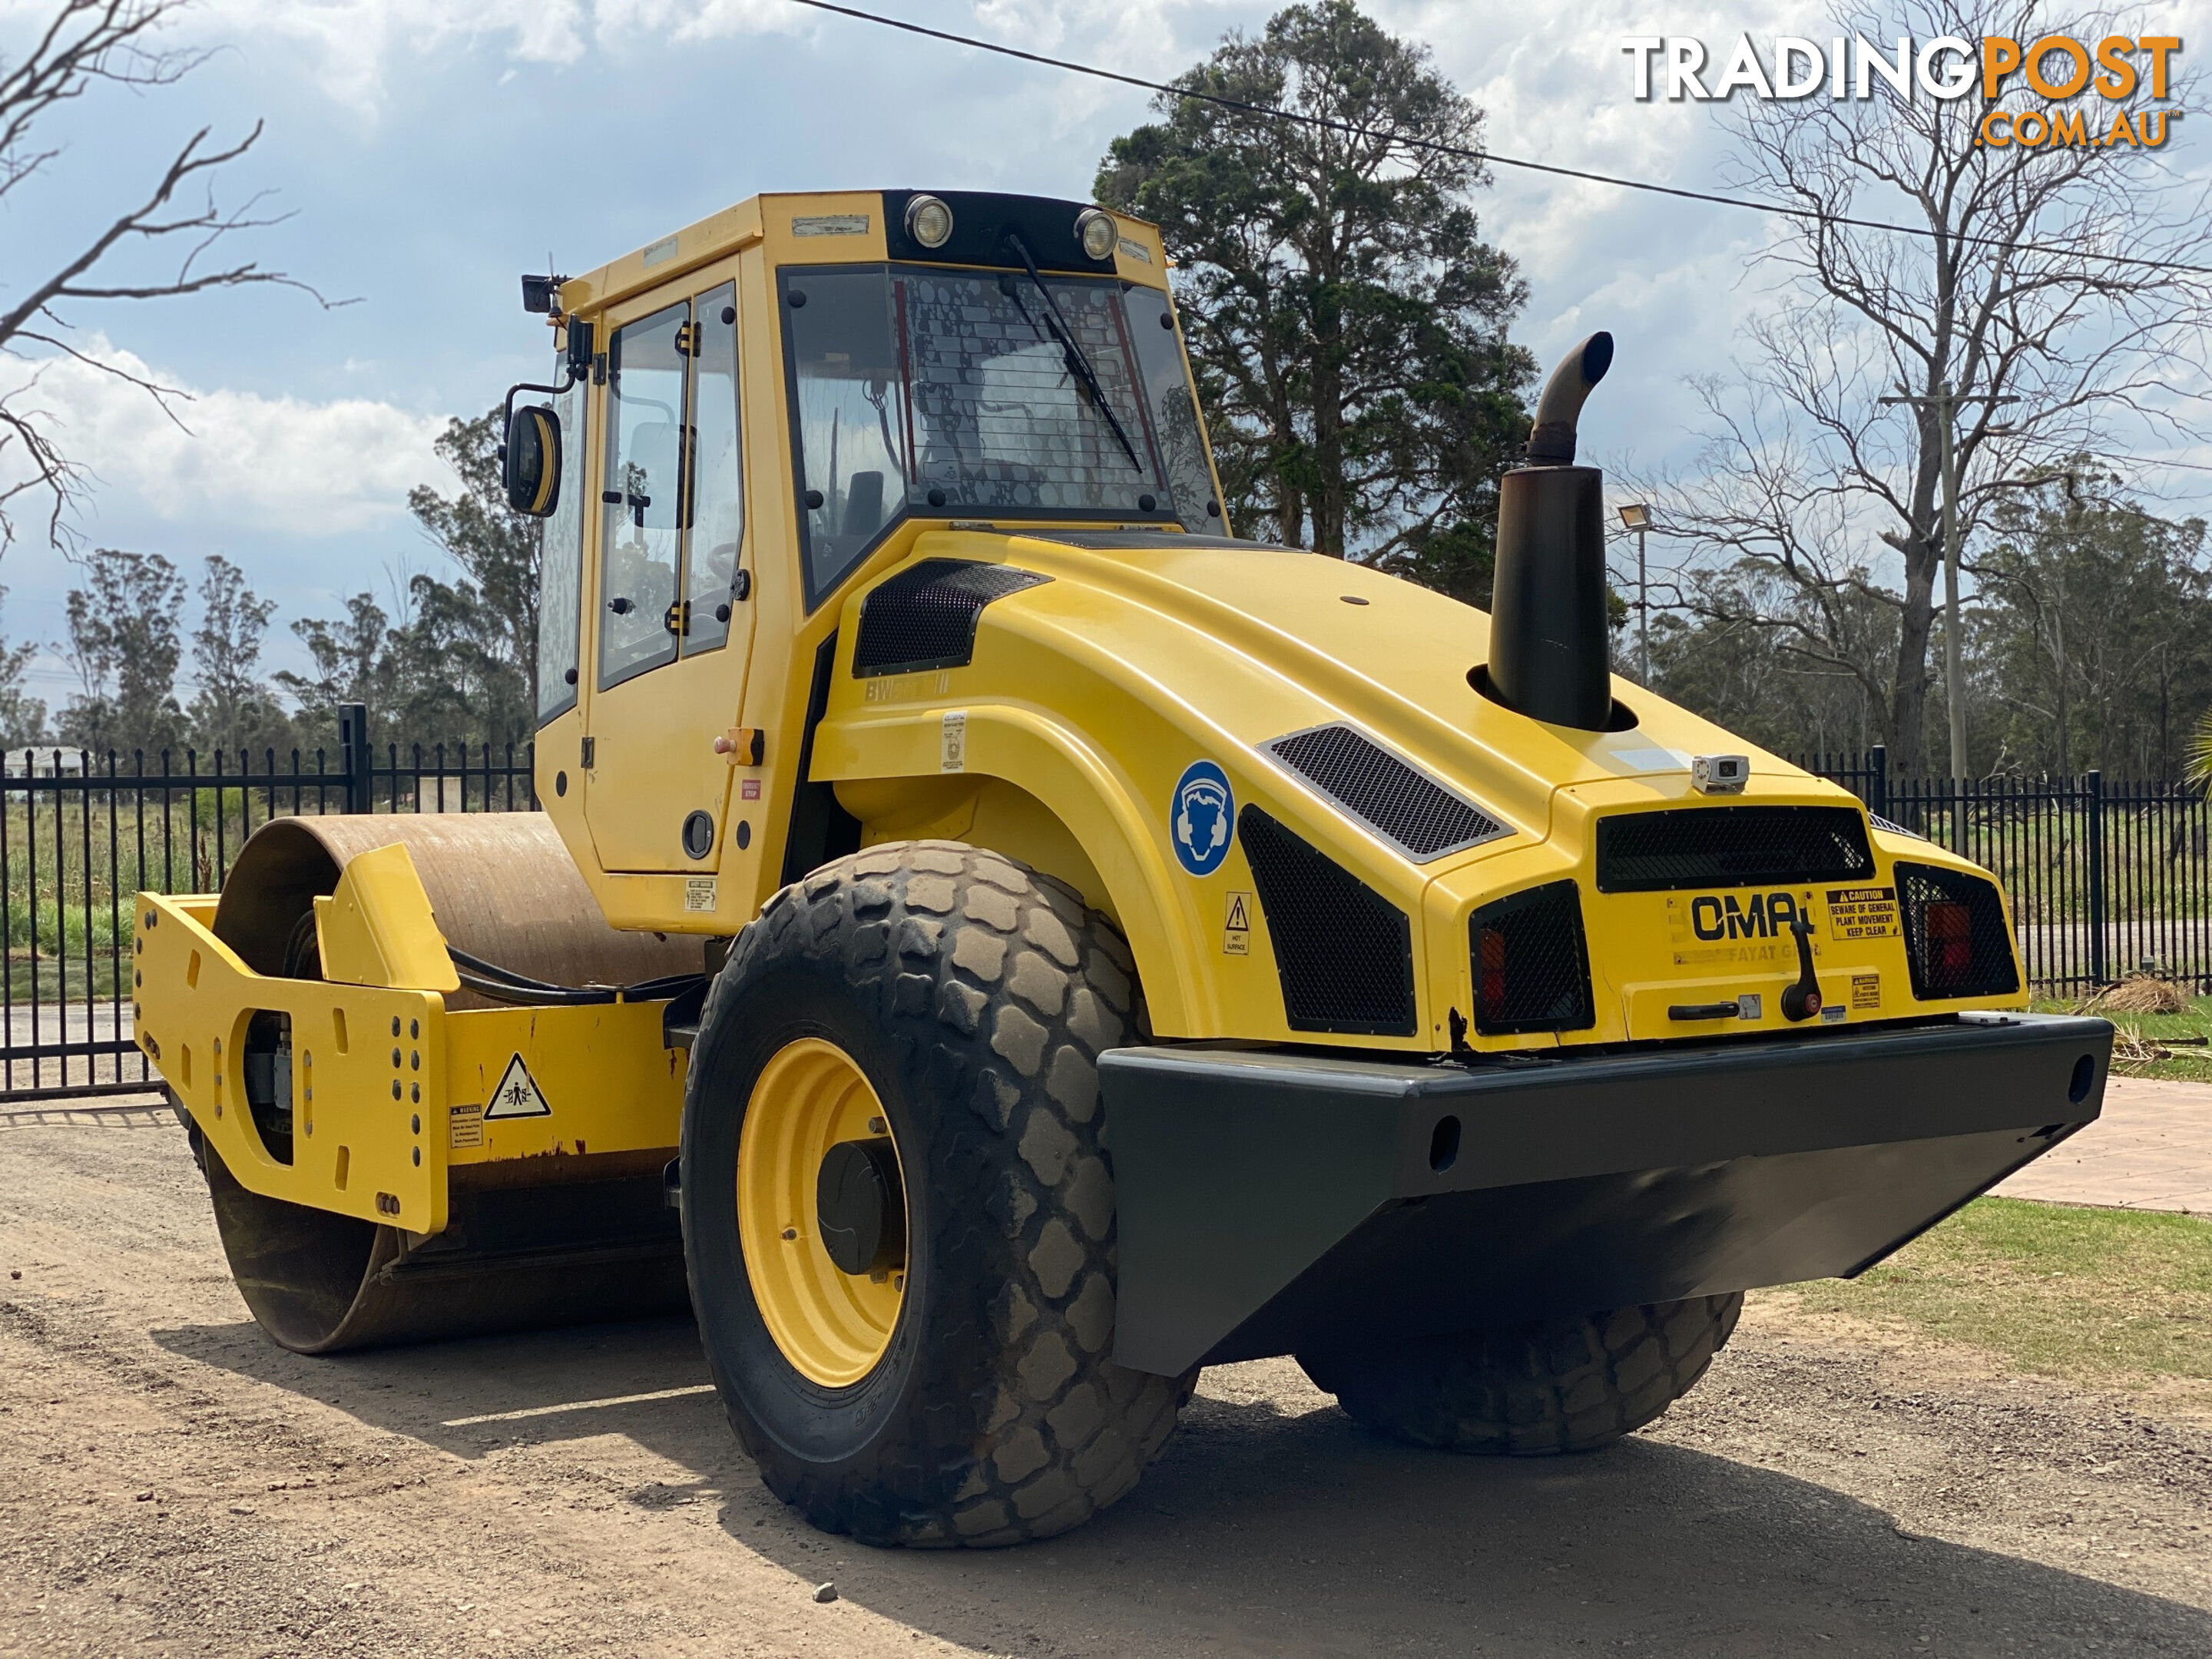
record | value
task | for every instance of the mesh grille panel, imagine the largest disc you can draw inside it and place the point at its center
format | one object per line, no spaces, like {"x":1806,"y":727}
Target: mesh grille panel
{"x":1955,"y":939}
{"x":1402,"y":805}
{"x":1344,"y":953}
{"x":1531,"y":965}
{"x":924,"y":617}
{"x":1731,"y":847}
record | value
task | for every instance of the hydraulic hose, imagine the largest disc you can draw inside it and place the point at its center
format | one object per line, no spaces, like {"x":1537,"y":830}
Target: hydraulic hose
{"x":489,"y":979}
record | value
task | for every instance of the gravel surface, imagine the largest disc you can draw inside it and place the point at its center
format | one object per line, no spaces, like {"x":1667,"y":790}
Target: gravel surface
{"x":170,"y":1483}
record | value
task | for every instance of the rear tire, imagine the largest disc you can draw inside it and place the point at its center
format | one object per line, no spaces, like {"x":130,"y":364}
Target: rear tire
{"x":1567,"y":1386}
{"x":973,"y":998}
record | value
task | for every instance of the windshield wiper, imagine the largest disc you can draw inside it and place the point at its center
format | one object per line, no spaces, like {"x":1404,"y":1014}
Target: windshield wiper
{"x":1078,"y":365}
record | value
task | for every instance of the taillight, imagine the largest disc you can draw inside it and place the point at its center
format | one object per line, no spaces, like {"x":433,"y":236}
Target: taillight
{"x":1956,"y":942}
{"x":1531,"y":966}
{"x":1950,"y":944}
{"x":1490,"y":949}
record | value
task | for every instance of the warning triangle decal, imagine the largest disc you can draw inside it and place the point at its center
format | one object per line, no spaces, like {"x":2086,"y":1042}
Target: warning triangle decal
{"x":518,"y":1094}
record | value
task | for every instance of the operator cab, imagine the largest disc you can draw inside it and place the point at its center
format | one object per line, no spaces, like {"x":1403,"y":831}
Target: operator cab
{"x":758,"y":411}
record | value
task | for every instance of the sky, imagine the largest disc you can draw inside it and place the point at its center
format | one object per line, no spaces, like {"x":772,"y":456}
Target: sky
{"x":427,"y":152}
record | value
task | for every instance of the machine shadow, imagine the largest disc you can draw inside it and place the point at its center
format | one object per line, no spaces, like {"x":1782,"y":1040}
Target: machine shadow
{"x":1269,"y":1529}
{"x":1263,"y":1533}
{"x":468,"y":1395}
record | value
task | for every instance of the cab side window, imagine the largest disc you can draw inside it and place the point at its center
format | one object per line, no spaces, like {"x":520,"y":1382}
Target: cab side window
{"x":560,"y":582}
{"x":642,"y":496}
{"x":716,"y":532}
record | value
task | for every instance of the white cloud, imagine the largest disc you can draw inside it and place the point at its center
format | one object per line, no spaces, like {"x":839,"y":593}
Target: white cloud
{"x":355,"y":48}
{"x":270,"y":464}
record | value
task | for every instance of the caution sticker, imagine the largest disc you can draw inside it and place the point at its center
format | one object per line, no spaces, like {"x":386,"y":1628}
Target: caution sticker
{"x":952,"y":741}
{"x":699,"y":893}
{"x":1862,"y":912}
{"x":467,"y":1123}
{"x":518,"y":1094}
{"x":1236,"y":927}
{"x":1866,"y":991}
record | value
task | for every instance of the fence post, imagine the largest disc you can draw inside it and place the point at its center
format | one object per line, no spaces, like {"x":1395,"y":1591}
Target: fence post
{"x":1878,"y":781}
{"x":2093,"y":788}
{"x":352,"y":746}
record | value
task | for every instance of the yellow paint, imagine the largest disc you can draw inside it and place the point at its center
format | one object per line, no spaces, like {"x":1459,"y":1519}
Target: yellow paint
{"x":832,"y":1326}
{"x":361,"y":1133}
{"x":653,"y":735}
{"x":601,"y":1067}
{"x":1060,"y":744}
{"x":377,"y":927}
{"x":610,"y":1084}
{"x":1086,"y":698}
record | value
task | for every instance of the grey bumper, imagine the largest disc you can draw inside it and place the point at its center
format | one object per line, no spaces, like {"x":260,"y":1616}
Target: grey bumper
{"x":1271,"y":1203}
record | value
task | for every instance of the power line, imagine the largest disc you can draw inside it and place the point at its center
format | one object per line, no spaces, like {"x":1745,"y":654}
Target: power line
{"x":1818,"y":216}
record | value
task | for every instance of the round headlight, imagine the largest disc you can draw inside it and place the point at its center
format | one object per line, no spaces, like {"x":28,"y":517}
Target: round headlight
{"x":929,"y":220}
{"x":1095,"y":230}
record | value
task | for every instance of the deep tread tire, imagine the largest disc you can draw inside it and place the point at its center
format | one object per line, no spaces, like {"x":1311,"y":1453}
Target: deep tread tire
{"x":1570,"y":1386}
{"x":977,"y":996}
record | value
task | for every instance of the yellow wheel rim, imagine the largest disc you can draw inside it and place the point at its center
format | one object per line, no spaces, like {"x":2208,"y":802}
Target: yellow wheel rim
{"x":832,"y":1326}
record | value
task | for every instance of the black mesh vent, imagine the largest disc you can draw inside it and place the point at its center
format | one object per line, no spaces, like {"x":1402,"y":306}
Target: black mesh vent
{"x":1731,"y":847}
{"x":1956,"y":942}
{"x":1344,"y":952}
{"x":1531,"y":966}
{"x":1406,"y":807}
{"x":924,"y":617}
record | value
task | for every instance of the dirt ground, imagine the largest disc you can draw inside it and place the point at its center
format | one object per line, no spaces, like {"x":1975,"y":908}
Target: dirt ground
{"x":171,"y":1483}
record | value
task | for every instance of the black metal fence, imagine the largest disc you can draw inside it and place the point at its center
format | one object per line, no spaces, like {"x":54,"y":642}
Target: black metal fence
{"x":2105,"y":877}
{"x":80,"y":833}
{"x":2108,"y":877}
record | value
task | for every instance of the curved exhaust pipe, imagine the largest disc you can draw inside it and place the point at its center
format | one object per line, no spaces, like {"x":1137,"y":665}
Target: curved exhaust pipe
{"x":1549,"y":657}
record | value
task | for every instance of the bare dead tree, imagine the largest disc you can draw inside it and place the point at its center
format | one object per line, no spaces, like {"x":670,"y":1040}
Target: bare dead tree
{"x":159,"y":245}
{"x":2056,"y":278}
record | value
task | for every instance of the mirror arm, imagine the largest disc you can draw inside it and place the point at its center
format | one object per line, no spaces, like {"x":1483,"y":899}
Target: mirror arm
{"x":573,"y":371}
{"x":568,"y":382}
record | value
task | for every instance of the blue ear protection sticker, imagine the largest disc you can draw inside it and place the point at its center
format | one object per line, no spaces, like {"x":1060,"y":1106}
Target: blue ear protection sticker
{"x":1204,"y":811}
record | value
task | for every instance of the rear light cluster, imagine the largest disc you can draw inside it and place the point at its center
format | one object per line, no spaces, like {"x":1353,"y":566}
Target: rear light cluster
{"x":1956,"y":943}
{"x":1531,"y":964}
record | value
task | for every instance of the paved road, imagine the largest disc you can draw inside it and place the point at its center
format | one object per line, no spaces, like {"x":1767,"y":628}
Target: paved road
{"x":2175,"y":945}
{"x":51,"y":1024}
{"x":2151,"y":1150}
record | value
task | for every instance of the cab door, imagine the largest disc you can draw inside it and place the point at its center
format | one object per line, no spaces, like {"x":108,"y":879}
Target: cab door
{"x":672,"y":626}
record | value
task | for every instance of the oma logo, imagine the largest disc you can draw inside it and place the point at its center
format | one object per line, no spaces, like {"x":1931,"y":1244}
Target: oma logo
{"x":1764,"y":915}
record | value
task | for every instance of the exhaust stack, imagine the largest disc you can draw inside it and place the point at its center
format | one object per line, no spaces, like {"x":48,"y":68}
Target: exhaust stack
{"x":1548,"y":653}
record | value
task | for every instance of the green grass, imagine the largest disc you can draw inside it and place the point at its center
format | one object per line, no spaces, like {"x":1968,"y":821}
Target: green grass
{"x":2191,"y":1063}
{"x":2111,"y":1297}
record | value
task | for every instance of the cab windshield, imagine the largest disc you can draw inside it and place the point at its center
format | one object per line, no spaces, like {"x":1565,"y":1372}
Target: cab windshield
{"x":948,"y":393}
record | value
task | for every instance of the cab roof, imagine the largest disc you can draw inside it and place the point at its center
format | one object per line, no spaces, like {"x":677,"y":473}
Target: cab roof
{"x":857,"y":227}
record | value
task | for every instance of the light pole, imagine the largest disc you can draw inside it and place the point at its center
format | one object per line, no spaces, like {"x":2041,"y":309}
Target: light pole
{"x":1636,"y":516}
{"x":1944,"y":402}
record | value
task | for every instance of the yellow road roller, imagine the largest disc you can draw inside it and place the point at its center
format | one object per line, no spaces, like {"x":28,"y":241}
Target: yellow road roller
{"x":996,"y":943}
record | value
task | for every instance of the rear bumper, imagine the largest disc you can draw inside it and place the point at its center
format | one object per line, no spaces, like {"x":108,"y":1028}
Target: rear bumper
{"x":1269,"y":1203}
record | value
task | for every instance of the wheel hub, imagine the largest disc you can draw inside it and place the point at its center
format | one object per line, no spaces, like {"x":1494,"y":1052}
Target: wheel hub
{"x":859,"y":1206}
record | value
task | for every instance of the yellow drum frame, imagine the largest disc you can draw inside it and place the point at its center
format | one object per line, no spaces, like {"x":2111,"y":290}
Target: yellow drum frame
{"x":832,"y":1326}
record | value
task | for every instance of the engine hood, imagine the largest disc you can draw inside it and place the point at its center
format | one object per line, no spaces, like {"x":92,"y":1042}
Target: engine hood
{"x":1268,"y":640}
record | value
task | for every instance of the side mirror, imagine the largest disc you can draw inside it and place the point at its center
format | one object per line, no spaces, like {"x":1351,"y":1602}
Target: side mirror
{"x":530,"y":461}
